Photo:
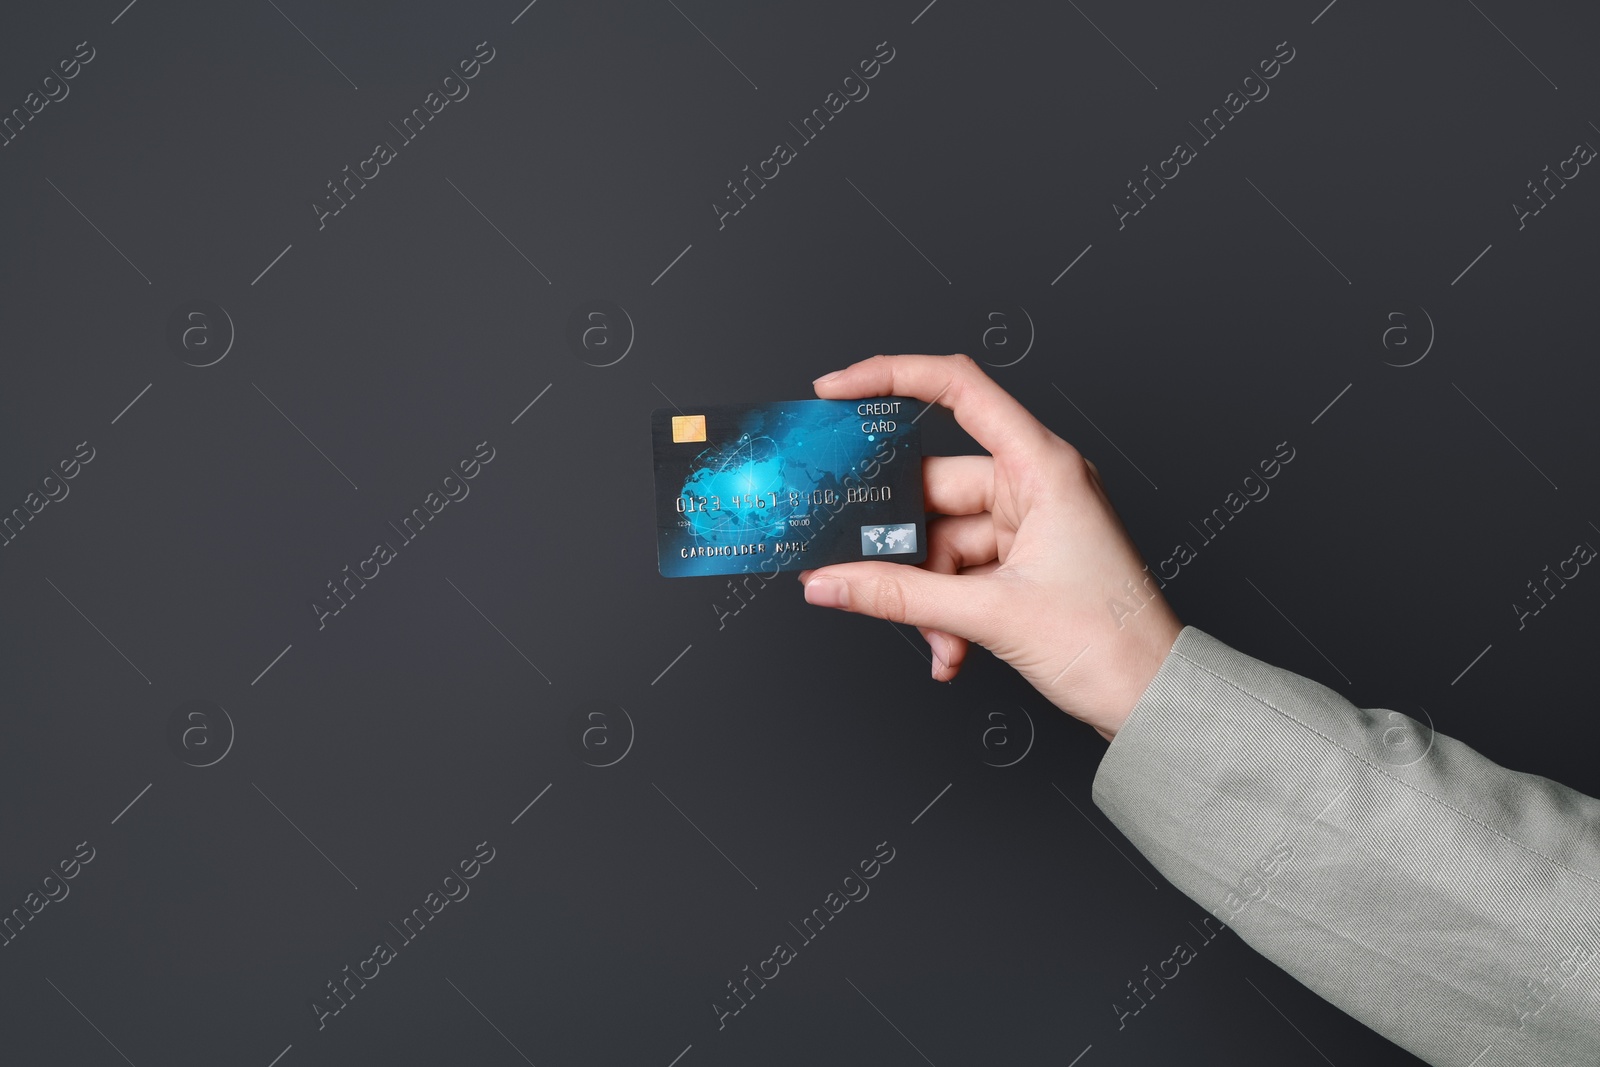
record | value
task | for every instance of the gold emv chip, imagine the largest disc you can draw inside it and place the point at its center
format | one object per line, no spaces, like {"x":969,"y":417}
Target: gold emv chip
{"x":688,"y":428}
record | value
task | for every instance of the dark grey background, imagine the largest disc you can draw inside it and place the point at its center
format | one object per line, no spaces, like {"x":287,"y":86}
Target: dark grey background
{"x":412,"y":327}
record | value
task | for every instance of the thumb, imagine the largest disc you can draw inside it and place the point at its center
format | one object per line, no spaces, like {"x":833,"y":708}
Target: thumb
{"x":960,"y":604}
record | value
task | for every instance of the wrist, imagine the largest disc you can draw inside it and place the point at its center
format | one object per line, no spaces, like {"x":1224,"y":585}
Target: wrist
{"x":1135,"y":659}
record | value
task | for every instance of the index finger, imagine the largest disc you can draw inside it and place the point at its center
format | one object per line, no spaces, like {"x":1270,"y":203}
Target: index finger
{"x":994,"y":418}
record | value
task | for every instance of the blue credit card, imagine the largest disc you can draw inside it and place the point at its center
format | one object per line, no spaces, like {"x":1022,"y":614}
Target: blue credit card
{"x":787,"y":485}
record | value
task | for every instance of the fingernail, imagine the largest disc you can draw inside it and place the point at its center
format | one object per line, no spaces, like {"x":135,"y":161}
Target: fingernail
{"x":828,"y":592}
{"x":941,"y":648}
{"x":830,"y":376}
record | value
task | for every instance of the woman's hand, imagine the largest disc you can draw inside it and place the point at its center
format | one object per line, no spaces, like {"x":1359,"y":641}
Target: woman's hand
{"x":1025,"y":558}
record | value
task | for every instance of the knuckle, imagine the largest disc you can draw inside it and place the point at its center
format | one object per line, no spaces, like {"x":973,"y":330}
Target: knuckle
{"x":1073,"y":463}
{"x":888,"y":600}
{"x":1065,"y":452}
{"x":1064,"y":467}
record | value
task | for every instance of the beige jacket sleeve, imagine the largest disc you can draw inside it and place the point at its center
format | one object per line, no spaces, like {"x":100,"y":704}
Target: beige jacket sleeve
{"x":1449,"y":903}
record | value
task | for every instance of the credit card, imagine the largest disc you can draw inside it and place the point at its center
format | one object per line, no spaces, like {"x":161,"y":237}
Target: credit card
{"x":787,"y":485}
